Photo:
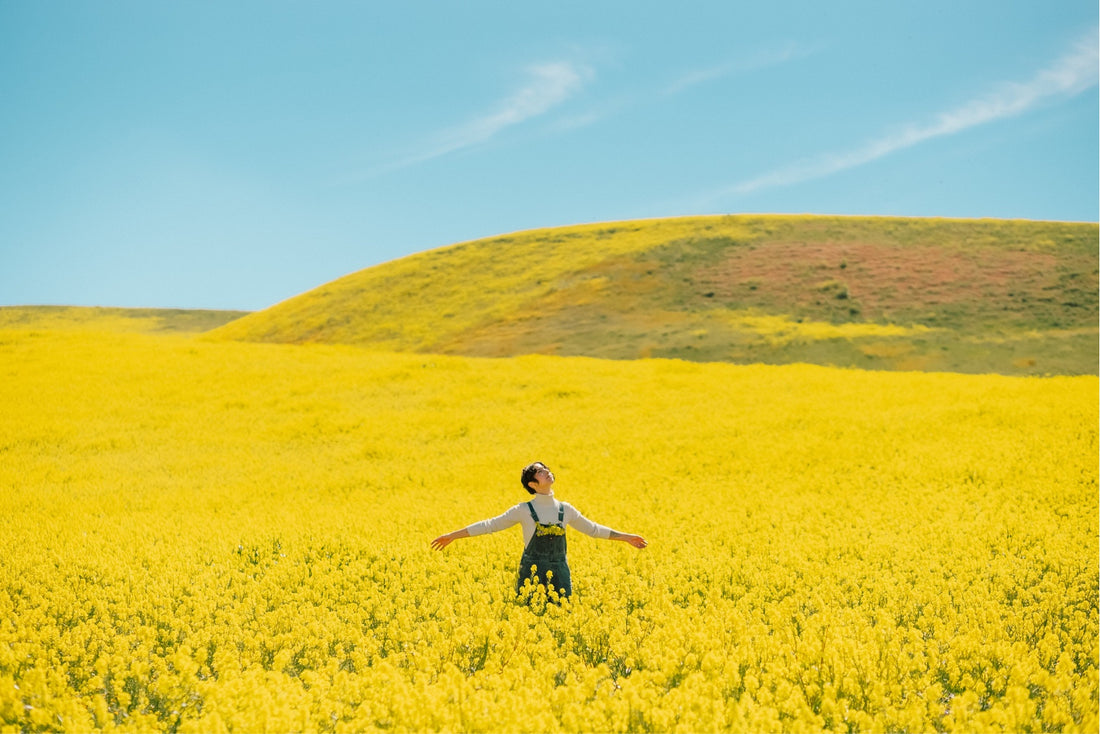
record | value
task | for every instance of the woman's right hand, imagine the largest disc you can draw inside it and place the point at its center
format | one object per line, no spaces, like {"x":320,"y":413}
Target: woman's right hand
{"x":442,"y":542}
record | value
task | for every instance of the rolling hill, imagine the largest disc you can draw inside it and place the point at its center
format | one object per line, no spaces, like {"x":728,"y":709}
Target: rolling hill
{"x":114,"y":320}
{"x":1012,"y":297}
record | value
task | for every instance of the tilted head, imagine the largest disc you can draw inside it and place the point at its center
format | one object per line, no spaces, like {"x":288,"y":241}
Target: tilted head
{"x":538,"y":474}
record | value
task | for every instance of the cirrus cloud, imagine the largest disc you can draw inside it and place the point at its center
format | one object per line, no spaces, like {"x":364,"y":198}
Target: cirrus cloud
{"x":1071,"y":74}
{"x":547,"y":86}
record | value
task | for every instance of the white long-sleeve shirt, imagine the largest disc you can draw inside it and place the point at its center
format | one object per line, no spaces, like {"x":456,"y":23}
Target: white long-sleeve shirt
{"x":546,"y":507}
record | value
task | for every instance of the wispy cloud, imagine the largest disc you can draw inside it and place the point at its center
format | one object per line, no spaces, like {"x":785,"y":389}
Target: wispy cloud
{"x":610,"y":106}
{"x":763,"y":59}
{"x":547,"y":86}
{"x":1073,"y":73}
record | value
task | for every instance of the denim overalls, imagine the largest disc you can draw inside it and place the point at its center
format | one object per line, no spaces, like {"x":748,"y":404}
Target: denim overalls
{"x":546,"y":552}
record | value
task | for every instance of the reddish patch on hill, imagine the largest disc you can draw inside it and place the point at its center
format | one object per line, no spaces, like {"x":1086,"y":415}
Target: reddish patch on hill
{"x":883,"y":279}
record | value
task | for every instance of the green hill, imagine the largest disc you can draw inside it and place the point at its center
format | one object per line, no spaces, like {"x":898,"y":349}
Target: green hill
{"x":118,"y":320}
{"x":1014,"y":297}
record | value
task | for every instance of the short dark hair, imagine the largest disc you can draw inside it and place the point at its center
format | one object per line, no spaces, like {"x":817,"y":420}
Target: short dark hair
{"x":528,"y":474}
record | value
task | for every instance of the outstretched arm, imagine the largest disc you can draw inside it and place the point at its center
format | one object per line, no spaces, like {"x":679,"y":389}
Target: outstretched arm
{"x":502,"y":522}
{"x":444,"y":540}
{"x":635,"y":540}
{"x":575,"y":519}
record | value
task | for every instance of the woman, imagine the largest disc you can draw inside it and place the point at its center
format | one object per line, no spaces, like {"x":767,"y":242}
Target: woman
{"x":544,"y":542}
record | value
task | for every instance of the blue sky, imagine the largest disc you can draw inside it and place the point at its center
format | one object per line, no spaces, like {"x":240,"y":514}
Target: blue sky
{"x":234,"y":154}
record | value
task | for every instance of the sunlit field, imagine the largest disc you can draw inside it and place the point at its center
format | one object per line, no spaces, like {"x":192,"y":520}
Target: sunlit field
{"x":216,"y":536}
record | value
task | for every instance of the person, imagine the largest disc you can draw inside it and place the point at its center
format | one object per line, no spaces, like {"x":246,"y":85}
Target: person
{"x":544,"y":542}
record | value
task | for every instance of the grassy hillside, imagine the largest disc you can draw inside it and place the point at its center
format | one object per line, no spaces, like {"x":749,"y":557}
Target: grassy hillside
{"x":1013,"y":297}
{"x":114,"y":320}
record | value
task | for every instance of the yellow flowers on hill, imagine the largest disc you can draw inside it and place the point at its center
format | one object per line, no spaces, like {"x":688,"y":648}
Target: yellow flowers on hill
{"x":201,"y":537}
{"x":905,"y":294}
{"x":417,"y":301}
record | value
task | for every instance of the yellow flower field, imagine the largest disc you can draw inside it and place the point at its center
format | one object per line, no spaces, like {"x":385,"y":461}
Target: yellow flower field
{"x":215,"y":536}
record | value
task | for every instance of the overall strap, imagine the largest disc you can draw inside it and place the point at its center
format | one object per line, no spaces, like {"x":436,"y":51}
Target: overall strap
{"x":561,"y":513}
{"x":531,"y":507}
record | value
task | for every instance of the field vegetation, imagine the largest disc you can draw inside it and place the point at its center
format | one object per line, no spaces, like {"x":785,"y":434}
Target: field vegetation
{"x":974,"y":296}
{"x":201,"y":535}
